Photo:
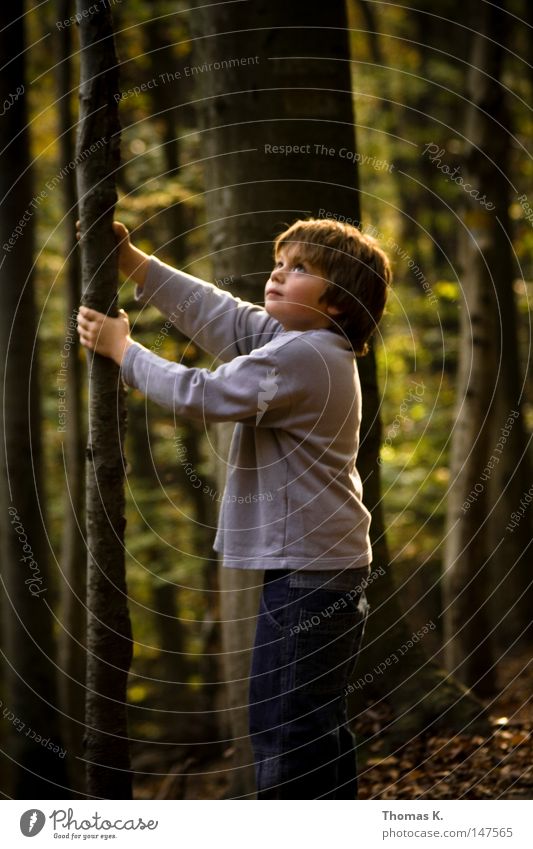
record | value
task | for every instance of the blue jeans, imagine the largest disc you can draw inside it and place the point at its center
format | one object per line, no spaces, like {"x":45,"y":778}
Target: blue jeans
{"x":309,"y":632}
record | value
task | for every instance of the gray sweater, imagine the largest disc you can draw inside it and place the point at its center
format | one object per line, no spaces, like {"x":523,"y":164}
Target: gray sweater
{"x":293,"y":493}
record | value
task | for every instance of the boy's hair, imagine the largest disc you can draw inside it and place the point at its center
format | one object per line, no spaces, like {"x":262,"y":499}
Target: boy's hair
{"x":356,"y":269}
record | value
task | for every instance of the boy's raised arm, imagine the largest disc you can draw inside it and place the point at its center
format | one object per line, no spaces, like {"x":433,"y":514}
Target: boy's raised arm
{"x":135,"y":266}
{"x":218,"y":322}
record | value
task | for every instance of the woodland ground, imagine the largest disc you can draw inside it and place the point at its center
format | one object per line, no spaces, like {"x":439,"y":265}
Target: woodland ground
{"x":430,"y":766}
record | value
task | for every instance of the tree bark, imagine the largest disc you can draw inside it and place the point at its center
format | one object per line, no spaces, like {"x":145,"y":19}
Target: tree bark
{"x":512,"y":600}
{"x":29,"y":769}
{"x":72,"y":652}
{"x":109,"y":639}
{"x":486,"y":576}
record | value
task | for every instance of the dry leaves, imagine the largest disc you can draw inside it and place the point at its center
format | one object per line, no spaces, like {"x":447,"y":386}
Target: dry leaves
{"x":461,"y":766}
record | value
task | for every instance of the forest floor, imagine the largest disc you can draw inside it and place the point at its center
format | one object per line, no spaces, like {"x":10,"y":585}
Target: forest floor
{"x":498,"y":765}
{"x":462,"y":766}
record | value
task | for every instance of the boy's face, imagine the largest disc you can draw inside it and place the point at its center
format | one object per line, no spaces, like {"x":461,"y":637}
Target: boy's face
{"x":293,"y":290}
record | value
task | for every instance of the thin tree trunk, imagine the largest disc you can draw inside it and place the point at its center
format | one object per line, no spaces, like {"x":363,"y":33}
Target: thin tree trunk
{"x":33,"y":760}
{"x":512,"y":601}
{"x":109,"y":639}
{"x":72,"y":653}
{"x":489,"y":469}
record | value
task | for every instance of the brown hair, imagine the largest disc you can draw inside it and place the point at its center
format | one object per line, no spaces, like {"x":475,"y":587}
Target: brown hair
{"x":356,"y":270}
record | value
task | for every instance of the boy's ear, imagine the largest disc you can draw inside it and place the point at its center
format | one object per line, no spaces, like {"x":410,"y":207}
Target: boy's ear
{"x":333,"y":310}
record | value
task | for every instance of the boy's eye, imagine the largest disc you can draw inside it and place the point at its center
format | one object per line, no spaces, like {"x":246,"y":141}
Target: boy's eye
{"x":298,"y":266}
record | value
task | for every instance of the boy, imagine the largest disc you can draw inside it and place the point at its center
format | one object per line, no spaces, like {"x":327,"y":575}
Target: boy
{"x":293,"y":499}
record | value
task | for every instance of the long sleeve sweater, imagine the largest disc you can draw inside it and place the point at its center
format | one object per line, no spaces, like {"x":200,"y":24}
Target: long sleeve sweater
{"x":293,"y":495}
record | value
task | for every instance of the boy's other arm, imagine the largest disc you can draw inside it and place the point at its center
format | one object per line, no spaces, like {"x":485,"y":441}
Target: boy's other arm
{"x":219,"y":323}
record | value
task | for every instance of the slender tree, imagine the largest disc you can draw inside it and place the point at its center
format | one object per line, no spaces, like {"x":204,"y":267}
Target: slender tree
{"x":30,"y":767}
{"x":109,"y":639}
{"x":72,"y":654}
{"x":487,"y":582}
{"x":511,"y":585}
{"x":278,"y":131}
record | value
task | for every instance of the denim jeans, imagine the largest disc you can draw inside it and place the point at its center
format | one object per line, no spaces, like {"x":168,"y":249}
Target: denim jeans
{"x":309,"y":632}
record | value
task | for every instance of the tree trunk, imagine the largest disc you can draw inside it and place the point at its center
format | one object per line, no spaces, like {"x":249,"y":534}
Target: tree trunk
{"x":72,"y":651}
{"x":109,"y":639}
{"x":31,"y":767}
{"x":246,"y":110}
{"x":512,"y":602}
{"x":486,"y":571}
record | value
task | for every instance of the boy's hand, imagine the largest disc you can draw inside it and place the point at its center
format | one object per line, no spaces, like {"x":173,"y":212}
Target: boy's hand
{"x":132,"y":262}
{"x":125,"y":248}
{"x":107,"y":336}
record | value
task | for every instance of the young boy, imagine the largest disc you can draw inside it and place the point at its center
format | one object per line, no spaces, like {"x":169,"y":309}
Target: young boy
{"x":293,"y":499}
